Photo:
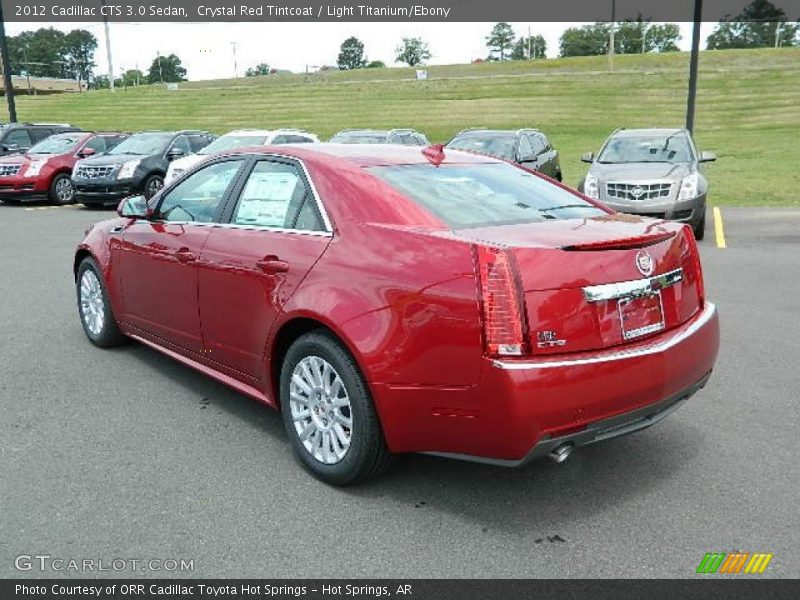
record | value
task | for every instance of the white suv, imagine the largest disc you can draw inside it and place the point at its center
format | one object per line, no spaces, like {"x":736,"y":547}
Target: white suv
{"x":240,"y":138}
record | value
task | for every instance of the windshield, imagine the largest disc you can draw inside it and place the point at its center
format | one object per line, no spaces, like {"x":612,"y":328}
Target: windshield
{"x":226,"y":142}
{"x":145,"y":144}
{"x":56,"y":144}
{"x":359,"y":138}
{"x":484,"y":194}
{"x":499,"y":145}
{"x":672,"y":148}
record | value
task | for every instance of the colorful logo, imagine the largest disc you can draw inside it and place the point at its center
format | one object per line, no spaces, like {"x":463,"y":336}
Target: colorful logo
{"x":735,"y":562}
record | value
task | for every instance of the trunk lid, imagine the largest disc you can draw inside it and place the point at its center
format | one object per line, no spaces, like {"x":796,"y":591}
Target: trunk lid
{"x":595,"y":283}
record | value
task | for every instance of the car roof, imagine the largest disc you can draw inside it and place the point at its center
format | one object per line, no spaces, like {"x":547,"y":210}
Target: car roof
{"x":647,"y":132}
{"x":366,"y":155}
{"x":266,"y":132}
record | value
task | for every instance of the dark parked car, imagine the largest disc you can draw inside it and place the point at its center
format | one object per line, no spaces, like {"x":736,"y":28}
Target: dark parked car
{"x":527,"y":147}
{"x":44,"y":171}
{"x":404,"y":137}
{"x":653,"y":173}
{"x":19,"y":137}
{"x":136,"y":166}
{"x":395,"y":299}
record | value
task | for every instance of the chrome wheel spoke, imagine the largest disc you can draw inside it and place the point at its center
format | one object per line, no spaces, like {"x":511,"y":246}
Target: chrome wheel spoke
{"x":320,"y":410}
{"x":91,"y":302}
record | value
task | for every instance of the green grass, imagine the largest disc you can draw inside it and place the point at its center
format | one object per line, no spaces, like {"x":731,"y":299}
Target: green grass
{"x":748,"y":108}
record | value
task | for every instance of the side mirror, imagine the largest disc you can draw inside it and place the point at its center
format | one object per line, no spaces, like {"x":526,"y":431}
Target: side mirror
{"x":134,"y":207}
{"x":174,"y":153}
{"x":707,"y":157}
{"x":86,"y":152}
{"x":587,"y":157}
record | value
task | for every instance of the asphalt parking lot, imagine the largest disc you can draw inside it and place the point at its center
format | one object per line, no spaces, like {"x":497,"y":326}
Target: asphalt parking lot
{"x":126,"y":454}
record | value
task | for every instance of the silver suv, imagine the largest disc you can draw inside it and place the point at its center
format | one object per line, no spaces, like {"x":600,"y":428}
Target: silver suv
{"x":650,"y":172}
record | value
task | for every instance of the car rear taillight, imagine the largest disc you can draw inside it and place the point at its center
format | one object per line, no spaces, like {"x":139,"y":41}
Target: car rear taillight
{"x":691,"y":243}
{"x":504,"y":327}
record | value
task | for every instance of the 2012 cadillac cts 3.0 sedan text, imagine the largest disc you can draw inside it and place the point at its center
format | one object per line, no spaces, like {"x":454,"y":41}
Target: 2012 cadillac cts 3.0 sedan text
{"x":394,"y":299}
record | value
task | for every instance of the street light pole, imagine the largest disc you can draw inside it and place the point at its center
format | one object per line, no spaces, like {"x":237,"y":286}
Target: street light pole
{"x":235,"y":66}
{"x":7,"y":83}
{"x":611,"y":35}
{"x":690,"y":98}
{"x":108,"y":49}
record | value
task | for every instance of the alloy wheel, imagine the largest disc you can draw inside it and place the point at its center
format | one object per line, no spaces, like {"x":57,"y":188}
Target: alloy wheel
{"x":320,"y":409}
{"x":93,"y":308}
{"x":64,"y":190}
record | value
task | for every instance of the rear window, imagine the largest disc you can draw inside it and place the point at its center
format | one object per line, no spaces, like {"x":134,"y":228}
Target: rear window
{"x":359,"y":138}
{"x":501,"y":145}
{"x":480,"y":195}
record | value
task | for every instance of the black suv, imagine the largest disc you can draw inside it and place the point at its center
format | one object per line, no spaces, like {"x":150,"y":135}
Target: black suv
{"x":527,"y":147}
{"x":404,"y":137}
{"x":135,"y":166}
{"x":16,"y":138}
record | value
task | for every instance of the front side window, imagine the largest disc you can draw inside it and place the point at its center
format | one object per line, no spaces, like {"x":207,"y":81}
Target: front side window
{"x":182,"y":143}
{"x":538,"y":144}
{"x":478,"y":195}
{"x":272,"y":196}
{"x":525,"y":148}
{"x":674,"y":148}
{"x":19,"y":137}
{"x":97,"y":143}
{"x":197,"y":198}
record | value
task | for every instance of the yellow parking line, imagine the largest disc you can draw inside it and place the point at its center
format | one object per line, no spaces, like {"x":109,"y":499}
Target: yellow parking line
{"x":719,"y":230}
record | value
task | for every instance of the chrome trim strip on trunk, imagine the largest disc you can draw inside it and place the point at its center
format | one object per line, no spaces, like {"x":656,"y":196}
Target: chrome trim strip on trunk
{"x":700,"y":321}
{"x":632,"y":289}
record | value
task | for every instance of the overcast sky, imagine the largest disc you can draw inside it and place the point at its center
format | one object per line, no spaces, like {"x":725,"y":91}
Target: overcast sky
{"x":207,"y":52}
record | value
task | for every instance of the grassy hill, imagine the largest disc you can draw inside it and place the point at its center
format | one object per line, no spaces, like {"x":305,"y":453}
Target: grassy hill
{"x":748,"y":108}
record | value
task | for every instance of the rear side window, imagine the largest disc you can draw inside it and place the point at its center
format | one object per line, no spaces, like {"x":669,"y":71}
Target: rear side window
{"x":198,"y":142}
{"x":272,"y":196}
{"x":484,"y":194}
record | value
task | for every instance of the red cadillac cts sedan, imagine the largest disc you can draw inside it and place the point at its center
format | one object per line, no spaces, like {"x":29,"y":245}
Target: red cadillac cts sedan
{"x":45,"y":171}
{"x":390,"y":300}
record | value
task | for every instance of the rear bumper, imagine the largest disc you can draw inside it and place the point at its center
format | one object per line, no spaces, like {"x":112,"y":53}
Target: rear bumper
{"x":522,"y":409}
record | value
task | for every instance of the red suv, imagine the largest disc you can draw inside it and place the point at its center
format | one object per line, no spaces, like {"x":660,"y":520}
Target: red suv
{"x":45,"y":171}
{"x":390,"y":299}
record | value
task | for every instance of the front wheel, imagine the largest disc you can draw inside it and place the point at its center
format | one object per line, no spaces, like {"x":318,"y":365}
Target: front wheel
{"x":61,"y":190}
{"x":94,"y":307}
{"x":700,"y":228}
{"x":151,"y":185}
{"x":328,"y":412}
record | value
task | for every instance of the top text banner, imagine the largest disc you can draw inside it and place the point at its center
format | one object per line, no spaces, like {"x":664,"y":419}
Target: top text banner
{"x":194,"y":11}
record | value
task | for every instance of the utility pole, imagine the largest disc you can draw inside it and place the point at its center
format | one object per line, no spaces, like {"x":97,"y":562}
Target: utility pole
{"x":777,"y":34}
{"x":160,"y":69}
{"x":530,"y":56}
{"x":690,"y":98}
{"x":611,"y":36}
{"x":235,"y":66}
{"x":8,"y":85}
{"x":108,"y":49}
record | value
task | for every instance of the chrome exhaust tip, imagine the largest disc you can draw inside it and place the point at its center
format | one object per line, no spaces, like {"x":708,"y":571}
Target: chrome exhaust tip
{"x":561,"y":453}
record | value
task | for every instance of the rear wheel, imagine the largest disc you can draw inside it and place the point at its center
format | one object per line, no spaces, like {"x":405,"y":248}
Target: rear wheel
{"x":151,"y":185}
{"x":328,"y":412}
{"x":61,"y":190}
{"x":700,"y":228}
{"x":94,"y":307}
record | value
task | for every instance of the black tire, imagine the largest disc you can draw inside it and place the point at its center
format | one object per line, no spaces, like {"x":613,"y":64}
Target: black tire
{"x":700,"y":228}
{"x":151,"y":185}
{"x":108,"y":334}
{"x":367,"y":454}
{"x":61,"y":190}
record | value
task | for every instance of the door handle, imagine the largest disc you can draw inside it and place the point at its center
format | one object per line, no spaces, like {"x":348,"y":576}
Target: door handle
{"x":272,"y":264}
{"x":185,"y":255}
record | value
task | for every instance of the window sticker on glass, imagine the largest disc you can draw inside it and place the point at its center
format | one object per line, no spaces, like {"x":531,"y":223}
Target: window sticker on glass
{"x":265,"y":199}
